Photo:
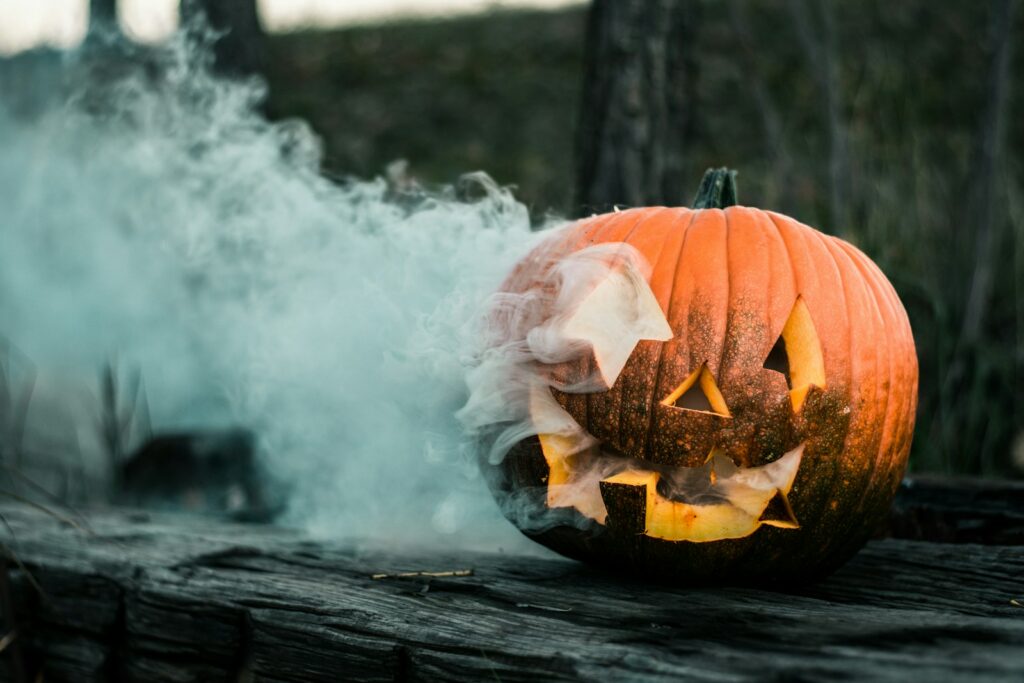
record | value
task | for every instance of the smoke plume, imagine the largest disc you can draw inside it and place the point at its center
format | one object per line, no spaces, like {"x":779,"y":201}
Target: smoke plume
{"x":150,"y":215}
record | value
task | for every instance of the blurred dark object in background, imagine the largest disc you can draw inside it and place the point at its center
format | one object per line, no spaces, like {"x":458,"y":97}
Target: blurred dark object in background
{"x":958,"y":510}
{"x":638,"y":86}
{"x":240,"y":48}
{"x":896,"y":126}
{"x":211,"y":472}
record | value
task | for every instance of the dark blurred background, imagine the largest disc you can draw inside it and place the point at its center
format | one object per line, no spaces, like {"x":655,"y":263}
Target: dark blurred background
{"x":896,"y":125}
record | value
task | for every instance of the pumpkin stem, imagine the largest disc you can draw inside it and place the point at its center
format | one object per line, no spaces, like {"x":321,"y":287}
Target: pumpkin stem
{"x":717,"y":189}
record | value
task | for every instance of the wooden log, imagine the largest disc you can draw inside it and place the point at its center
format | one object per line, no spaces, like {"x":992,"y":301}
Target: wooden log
{"x":147,"y":597}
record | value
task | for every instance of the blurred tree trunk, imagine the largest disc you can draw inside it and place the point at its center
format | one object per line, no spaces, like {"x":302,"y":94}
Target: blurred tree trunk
{"x":102,"y":16}
{"x":984,"y":231}
{"x":819,"y":39}
{"x":240,"y":50}
{"x":780,"y":191}
{"x":637,"y":103}
{"x":975,"y":428}
{"x":982,"y":216}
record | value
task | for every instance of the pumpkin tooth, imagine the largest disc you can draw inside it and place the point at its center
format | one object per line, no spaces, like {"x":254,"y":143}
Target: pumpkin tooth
{"x":779,"y":513}
{"x":626,"y":494}
{"x":636,"y":508}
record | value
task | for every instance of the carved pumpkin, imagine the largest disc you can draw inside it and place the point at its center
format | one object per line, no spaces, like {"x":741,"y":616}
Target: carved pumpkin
{"x":750,"y":404}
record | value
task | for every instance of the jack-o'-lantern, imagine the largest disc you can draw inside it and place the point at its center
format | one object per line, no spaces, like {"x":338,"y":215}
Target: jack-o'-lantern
{"x":736,"y":402}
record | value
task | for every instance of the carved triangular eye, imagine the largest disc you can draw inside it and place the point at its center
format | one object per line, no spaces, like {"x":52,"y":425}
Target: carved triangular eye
{"x":698,"y":392}
{"x":797,"y":355}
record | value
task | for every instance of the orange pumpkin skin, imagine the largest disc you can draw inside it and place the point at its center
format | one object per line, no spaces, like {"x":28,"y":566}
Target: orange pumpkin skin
{"x":727,"y":281}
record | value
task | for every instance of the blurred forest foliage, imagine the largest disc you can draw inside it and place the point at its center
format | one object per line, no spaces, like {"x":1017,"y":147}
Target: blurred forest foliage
{"x":915,"y":97}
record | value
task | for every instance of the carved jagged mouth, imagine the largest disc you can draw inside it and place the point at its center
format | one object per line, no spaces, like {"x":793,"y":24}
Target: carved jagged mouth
{"x":715,"y":501}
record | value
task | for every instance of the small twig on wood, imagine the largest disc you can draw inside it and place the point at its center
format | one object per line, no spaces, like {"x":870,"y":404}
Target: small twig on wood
{"x":1017,"y":603}
{"x":432,"y":575}
{"x":549,"y":608}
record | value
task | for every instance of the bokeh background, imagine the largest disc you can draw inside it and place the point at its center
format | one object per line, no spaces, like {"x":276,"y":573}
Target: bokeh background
{"x":927,"y":113}
{"x":928,"y":108}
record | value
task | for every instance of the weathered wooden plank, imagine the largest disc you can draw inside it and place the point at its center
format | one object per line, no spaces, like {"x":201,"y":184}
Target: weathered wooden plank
{"x":150,"y":597}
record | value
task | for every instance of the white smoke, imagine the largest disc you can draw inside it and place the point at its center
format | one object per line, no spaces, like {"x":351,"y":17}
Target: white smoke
{"x":159,"y":219}
{"x":527,"y":346}
{"x":567,"y":322}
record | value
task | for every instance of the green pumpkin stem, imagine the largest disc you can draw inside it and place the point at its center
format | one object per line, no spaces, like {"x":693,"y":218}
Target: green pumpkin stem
{"x":717,"y":189}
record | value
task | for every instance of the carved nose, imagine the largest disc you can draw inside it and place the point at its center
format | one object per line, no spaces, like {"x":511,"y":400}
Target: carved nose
{"x":699,"y":392}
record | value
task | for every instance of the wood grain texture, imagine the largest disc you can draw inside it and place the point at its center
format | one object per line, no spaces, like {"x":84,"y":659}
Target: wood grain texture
{"x":145,"y":597}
